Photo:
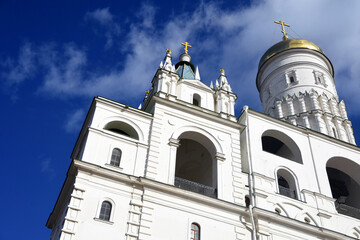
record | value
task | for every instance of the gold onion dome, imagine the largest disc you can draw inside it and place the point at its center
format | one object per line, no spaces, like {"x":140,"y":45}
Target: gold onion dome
{"x":287,"y":45}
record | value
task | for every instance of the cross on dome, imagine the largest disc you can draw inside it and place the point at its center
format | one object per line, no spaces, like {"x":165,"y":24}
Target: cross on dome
{"x":186,"y":44}
{"x":282,"y":23}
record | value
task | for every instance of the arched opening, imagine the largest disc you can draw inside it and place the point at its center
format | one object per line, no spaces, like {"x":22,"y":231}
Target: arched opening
{"x":196,"y":167}
{"x":196,"y":99}
{"x":286,"y":183}
{"x":122,"y":128}
{"x":278,"y":143}
{"x":344,"y":179}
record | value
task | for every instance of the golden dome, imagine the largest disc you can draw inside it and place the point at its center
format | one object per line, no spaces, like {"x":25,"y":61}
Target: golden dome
{"x":286,"y":45}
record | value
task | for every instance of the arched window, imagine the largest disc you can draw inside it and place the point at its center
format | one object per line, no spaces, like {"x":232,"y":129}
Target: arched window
{"x":286,"y":183}
{"x":197,"y":100}
{"x":105,"y":211}
{"x":280,"y":144}
{"x":115,"y":157}
{"x":195,"y":231}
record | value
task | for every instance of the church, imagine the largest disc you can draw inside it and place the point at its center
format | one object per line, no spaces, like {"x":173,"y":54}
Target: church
{"x":183,"y":166}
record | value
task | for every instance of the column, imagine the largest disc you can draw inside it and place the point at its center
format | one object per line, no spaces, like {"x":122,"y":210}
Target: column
{"x":174,"y":144}
{"x":279,"y":110}
{"x":321,"y":123}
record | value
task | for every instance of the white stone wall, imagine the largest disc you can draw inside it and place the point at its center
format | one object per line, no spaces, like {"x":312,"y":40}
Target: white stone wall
{"x":297,"y":86}
{"x":315,"y":202}
{"x":170,"y":123}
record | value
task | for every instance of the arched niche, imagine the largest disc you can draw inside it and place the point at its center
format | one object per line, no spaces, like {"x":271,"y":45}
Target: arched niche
{"x":287,"y":184}
{"x":196,"y":165}
{"x":122,"y":128}
{"x":344,"y":180}
{"x":280,"y":144}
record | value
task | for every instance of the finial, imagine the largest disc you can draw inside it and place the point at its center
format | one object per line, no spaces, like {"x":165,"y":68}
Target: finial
{"x":186,"y":44}
{"x":222,"y":71}
{"x":282,"y":23}
{"x":168,"y":50}
{"x":147,"y":92}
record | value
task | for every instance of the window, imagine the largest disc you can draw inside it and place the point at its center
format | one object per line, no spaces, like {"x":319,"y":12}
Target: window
{"x":115,"y":157}
{"x":196,"y":100}
{"x":195,"y":231}
{"x":286,"y":183}
{"x":291,"y":78}
{"x":105,"y":211}
{"x":320,"y":79}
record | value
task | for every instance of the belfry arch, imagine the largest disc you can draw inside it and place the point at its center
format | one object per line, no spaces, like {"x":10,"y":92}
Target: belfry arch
{"x":196,"y":163}
{"x":280,"y":144}
{"x":344,"y":180}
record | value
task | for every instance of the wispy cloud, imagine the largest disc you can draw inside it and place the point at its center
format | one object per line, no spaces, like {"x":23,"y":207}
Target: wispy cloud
{"x":233,"y":39}
{"x":21,"y":68}
{"x":46,"y":166}
{"x":106,"y":20}
{"x":74,"y":121}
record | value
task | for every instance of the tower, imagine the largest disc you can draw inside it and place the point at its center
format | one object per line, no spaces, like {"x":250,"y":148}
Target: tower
{"x":296,"y":83}
{"x":184,"y":167}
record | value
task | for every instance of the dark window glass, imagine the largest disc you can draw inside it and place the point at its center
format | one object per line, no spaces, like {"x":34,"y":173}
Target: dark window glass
{"x":115,"y":157}
{"x":105,"y":211}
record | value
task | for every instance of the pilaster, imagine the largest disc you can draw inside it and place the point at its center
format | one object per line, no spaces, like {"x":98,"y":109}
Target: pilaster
{"x":71,"y":218}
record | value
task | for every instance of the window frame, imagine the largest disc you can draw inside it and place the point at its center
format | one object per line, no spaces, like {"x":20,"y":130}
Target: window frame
{"x":98,"y":211}
{"x":291,"y":75}
{"x":193,"y":231}
{"x":115,"y":163}
{"x":105,"y":211}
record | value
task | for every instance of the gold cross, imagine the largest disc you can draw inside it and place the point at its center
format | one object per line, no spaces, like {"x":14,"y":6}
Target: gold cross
{"x":283,"y":29}
{"x":186,"y":44}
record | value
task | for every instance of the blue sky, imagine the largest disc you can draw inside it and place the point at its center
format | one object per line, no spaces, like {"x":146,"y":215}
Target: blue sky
{"x":55,"y":56}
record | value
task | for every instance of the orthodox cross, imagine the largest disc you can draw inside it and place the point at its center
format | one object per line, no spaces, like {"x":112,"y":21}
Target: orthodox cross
{"x":186,"y":44}
{"x":283,"y":28}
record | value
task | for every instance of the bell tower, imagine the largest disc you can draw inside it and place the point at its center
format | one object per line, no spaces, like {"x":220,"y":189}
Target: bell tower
{"x":296,"y":83}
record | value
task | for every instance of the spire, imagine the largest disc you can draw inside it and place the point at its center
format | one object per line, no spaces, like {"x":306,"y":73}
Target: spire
{"x":197,"y":74}
{"x":223,"y":81}
{"x":216,"y":84}
{"x":167,"y":61}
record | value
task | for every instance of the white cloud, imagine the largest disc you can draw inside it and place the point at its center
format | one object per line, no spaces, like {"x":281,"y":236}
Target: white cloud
{"x":102,"y":15}
{"x":23,"y":67}
{"x":106,"y":20}
{"x":233,"y":39}
{"x":74,"y":121}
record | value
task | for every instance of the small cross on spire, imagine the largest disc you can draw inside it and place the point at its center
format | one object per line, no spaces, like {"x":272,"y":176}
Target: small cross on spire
{"x":186,"y":44}
{"x":282,"y":23}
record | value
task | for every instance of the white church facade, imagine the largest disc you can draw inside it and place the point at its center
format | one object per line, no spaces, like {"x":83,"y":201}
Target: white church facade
{"x":183,"y":166}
